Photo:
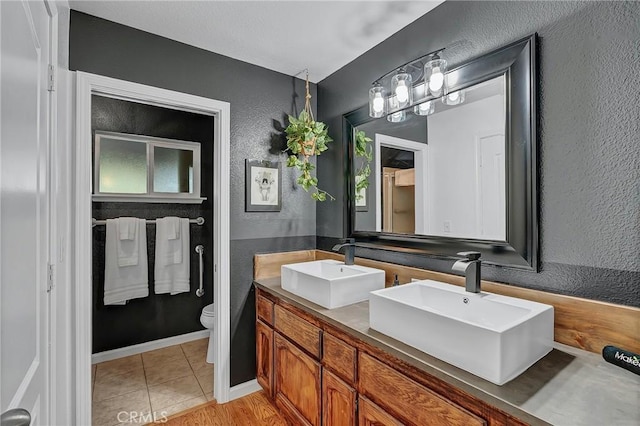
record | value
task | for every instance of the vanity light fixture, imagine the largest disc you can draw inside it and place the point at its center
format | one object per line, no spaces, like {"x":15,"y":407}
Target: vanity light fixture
{"x":425,"y":108}
{"x":422,"y":78}
{"x":454,"y":98}
{"x":377,"y":101}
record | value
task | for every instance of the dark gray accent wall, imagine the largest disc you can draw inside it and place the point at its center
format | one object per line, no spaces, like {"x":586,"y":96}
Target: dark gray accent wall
{"x":158,"y":315}
{"x":243,"y":341}
{"x":259,"y":99}
{"x":589,"y":122}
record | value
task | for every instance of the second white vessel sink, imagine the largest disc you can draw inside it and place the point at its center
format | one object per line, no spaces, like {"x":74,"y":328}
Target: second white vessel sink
{"x":330,"y":283}
{"x":492,"y":336}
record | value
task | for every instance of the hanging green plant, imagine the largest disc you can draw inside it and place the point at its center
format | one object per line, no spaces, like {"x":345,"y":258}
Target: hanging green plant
{"x":364,"y":150}
{"x":306,"y":138}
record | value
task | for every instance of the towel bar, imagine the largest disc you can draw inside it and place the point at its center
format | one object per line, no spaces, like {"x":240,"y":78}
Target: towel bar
{"x":197,"y":221}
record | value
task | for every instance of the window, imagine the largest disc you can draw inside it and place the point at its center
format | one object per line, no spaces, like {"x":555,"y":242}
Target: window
{"x":140,"y":168}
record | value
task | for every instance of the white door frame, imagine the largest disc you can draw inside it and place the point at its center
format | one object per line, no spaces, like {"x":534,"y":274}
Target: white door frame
{"x":420,"y":152}
{"x":86,"y":85}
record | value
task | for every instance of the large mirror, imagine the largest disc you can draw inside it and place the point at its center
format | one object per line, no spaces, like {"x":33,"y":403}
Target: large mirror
{"x":456,"y":173}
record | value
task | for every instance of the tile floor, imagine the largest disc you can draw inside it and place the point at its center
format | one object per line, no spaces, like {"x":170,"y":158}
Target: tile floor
{"x":164,"y":381}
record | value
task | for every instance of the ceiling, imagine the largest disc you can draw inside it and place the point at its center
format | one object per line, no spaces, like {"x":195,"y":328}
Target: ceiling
{"x":284,"y":36}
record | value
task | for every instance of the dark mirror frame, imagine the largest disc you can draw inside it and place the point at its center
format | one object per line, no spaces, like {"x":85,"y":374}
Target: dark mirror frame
{"x":517,"y":61}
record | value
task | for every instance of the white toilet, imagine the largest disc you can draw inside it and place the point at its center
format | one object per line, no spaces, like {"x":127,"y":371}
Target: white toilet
{"x":208,"y":321}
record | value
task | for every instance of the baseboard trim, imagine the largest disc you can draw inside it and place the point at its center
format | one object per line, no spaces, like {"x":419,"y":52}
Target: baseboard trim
{"x":243,"y":389}
{"x":148,"y":346}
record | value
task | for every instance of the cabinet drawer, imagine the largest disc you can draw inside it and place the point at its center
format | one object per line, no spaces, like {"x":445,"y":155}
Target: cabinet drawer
{"x":339,"y":357}
{"x":264,"y":308}
{"x":408,"y":400}
{"x":304,"y":334}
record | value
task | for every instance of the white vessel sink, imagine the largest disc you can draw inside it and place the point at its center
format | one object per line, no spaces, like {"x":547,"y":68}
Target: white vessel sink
{"x":494,"y":337}
{"x":330,"y":283}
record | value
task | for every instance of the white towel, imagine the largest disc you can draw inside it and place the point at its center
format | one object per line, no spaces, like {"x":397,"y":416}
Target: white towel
{"x":127,"y":227}
{"x":127,"y":242}
{"x":122,"y":283}
{"x":172,"y":263}
{"x":168,"y":241}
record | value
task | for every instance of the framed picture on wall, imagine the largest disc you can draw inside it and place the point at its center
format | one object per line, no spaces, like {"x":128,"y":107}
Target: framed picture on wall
{"x":361,"y":197}
{"x":263,"y":186}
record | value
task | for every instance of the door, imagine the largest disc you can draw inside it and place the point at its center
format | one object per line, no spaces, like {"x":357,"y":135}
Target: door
{"x":338,"y":401}
{"x":24,"y":229}
{"x":491,"y":186}
{"x":296,"y":383}
{"x":264,"y":357}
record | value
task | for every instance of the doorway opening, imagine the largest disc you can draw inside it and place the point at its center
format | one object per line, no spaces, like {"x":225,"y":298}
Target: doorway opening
{"x":87,"y":86}
{"x":405,"y":162}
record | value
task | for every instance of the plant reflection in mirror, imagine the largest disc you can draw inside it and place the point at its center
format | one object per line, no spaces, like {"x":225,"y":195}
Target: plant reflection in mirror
{"x":364,"y":150}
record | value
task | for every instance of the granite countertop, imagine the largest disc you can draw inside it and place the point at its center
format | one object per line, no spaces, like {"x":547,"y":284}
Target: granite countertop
{"x":568,"y":386}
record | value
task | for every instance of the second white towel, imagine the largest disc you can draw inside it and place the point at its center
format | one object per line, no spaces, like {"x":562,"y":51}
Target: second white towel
{"x":172,"y":260}
{"x":125,"y":268}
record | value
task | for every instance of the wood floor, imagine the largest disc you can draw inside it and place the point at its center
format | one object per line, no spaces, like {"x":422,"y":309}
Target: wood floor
{"x":254,"y":409}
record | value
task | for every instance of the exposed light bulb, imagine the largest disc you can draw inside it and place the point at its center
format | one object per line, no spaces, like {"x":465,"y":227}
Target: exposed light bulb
{"x":436,"y":81}
{"x":454,"y":98}
{"x":424,"y":107}
{"x":397,"y":117}
{"x":378,"y":102}
{"x":402,"y":92}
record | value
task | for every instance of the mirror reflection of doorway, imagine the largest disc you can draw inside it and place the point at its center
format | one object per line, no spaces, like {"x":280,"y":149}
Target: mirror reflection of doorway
{"x":398,"y":190}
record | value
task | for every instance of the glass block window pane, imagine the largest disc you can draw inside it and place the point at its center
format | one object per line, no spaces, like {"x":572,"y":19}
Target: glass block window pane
{"x":172,"y":170}
{"x":123,"y":166}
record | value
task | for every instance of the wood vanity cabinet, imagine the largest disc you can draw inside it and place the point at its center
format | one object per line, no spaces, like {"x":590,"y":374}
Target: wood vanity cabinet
{"x":319,"y":375}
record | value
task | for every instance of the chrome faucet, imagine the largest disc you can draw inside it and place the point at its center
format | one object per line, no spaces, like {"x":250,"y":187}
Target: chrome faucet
{"x":470,"y":266}
{"x":349,"y":253}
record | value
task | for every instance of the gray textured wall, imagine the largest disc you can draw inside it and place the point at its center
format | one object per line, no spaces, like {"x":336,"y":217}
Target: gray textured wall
{"x":589,"y":131}
{"x":260,"y":100}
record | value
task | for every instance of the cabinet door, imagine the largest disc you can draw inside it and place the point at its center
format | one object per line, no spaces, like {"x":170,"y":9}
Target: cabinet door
{"x":369,"y":414}
{"x":264,"y":357}
{"x":338,"y":401}
{"x":297,"y":383}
